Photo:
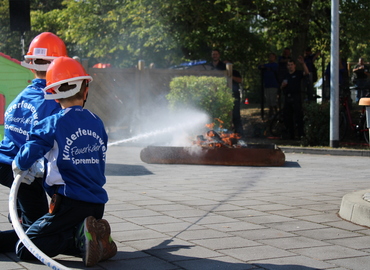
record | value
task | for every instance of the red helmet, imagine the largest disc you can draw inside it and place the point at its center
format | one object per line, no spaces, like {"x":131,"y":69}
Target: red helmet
{"x":45,"y":46}
{"x":64,"y":70}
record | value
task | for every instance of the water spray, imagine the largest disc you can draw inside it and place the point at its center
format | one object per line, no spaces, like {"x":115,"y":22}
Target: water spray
{"x":42,"y":257}
{"x":171,"y":129}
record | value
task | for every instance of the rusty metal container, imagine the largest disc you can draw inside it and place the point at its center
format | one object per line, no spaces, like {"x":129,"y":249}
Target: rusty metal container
{"x":251,"y":155}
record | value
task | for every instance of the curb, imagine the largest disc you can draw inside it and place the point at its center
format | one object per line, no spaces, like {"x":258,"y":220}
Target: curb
{"x":355,"y":209}
{"x":325,"y":151}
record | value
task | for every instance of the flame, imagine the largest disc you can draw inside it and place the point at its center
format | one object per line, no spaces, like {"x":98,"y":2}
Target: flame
{"x":213,"y":139}
{"x":210,"y":126}
{"x":230,"y":139}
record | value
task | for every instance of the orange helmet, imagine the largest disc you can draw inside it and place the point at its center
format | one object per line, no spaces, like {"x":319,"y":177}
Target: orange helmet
{"x":45,"y":46}
{"x":64,"y":70}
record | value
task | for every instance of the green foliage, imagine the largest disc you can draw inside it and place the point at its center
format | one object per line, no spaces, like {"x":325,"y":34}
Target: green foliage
{"x":167,"y":32}
{"x":10,"y":42}
{"x":316,"y":124}
{"x":209,"y":94}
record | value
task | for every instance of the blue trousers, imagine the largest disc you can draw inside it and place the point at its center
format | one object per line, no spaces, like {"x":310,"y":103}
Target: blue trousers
{"x":54,"y":234}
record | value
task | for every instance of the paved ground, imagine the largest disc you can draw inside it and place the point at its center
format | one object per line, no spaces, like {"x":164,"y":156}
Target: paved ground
{"x":222,"y":217}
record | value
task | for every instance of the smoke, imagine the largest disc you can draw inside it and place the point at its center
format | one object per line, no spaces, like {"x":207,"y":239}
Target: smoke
{"x":146,"y":121}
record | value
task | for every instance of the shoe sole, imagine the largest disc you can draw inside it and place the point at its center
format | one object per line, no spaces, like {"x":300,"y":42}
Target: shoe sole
{"x":107,"y":245}
{"x":92,"y":252}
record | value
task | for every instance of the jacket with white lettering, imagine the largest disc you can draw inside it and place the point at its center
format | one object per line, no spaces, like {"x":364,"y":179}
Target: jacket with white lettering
{"x":74,"y":142}
{"x":23,"y":112}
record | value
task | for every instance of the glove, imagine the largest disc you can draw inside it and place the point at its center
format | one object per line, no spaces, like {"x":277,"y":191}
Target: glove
{"x":15,"y":169}
{"x":27,"y":179}
{"x":35,"y":171}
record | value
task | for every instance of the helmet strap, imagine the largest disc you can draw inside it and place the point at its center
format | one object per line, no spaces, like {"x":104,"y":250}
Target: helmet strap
{"x":87,"y":94}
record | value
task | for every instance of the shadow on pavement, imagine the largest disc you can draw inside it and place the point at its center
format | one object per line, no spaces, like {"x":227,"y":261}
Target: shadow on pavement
{"x":292,"y":164}
{"x":162,"y":255}
{"x":284,"y":267}
{"x":125,"y":170}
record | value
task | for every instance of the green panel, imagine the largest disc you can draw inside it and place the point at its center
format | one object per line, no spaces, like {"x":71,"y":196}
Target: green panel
{"x":1,"y":132}
{"x":13,"y":79}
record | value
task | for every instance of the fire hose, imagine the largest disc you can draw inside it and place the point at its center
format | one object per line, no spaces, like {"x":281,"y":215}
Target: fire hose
{"x":42,"y":257}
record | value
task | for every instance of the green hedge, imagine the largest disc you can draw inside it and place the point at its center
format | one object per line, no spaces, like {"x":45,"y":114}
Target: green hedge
{"x":208,"y":94}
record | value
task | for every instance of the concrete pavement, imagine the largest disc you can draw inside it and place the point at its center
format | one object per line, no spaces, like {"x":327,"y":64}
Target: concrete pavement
{"x":227,"y":217}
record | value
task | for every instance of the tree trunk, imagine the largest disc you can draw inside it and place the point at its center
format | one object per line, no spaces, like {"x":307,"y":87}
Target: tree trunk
{"x":300,"y":41}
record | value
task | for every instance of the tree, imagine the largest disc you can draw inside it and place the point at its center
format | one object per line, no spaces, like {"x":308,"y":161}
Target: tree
{"x":166,"y":32}
{"x":11,"y":40}
{"x":354,"y":32}
{"x":163,"y":32}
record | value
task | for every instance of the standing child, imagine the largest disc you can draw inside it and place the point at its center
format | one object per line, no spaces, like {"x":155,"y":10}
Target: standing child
{"x":74,"y":142}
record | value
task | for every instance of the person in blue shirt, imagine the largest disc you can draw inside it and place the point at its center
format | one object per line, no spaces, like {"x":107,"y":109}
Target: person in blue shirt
{"x":270,"y":83}
{"x":26,"y":110}
{"x":74,"y":143}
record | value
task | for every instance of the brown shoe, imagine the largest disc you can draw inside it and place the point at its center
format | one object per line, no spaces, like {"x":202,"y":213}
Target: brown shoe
{"x":107,"y":245}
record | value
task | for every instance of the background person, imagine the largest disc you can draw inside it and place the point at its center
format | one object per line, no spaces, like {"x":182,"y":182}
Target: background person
{"x":292,"y":88}
{"x":283,"y":61}
{"x":361,"y":73}
{"x":236,"y":88}
{"x":216,"y":62}
{"x":310,"y":59}
{"x":343,"y":77}
{"x":270,"y":83}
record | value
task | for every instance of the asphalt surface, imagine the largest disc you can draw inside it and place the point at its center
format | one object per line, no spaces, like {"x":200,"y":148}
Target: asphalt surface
{"x":228,"y":217}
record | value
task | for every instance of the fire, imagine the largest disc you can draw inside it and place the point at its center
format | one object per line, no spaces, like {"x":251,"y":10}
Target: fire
{"x":213,"y":139}
{"x":212,"y":125}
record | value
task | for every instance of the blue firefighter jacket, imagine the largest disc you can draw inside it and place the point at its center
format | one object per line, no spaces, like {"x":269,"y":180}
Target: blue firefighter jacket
{"x":74,"y":143}
{"x":26,"y":110}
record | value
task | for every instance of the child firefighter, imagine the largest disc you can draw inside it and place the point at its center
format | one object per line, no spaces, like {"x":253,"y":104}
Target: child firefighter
{"x":74,"y":143}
